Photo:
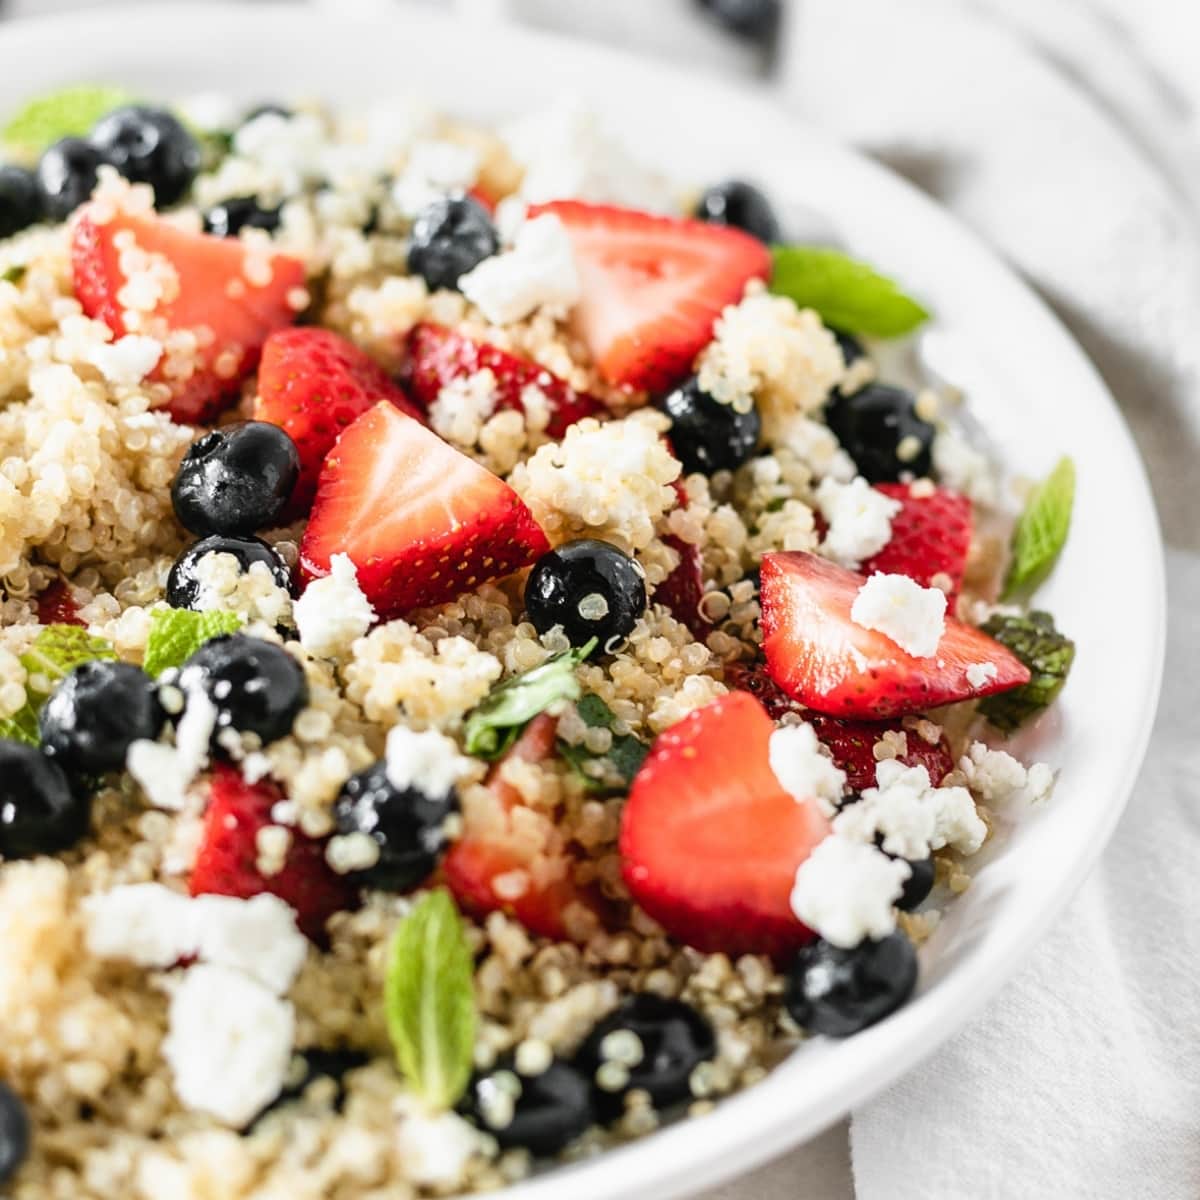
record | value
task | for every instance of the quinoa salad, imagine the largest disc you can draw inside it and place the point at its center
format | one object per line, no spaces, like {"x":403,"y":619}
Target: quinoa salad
{"x":490,"y":659}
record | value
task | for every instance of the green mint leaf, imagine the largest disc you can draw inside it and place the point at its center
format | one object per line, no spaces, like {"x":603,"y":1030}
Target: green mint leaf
{"x":67,"y":112}
{"x":56,"y":652}
{"x":429,"y":1000}
{"x":614,"y":770}
{"x":1047,"y":653}
{"x":847,"y":294}
{"x":510,"y":706}
{"x":1042,"y":529}
{"x":177,"y":633}
{"x":15,"y":273}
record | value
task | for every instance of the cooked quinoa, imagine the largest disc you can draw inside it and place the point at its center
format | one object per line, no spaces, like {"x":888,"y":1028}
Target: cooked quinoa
{"x":87,"y":460}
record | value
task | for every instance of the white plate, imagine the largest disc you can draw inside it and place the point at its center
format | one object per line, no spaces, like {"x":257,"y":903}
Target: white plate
{"x":1035,"y":392}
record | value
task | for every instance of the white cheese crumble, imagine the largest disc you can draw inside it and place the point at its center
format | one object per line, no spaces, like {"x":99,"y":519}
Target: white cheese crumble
{"x":433,"y":169}
{"x":333,"y":612}
{"x":128,"y":360}
{"x":981,"y":673}
{"x":964,"y":469}
{"x":164,"y":772}
{"x":436,"y":1148}
{"x":803,"y":769}
{"x":845,"y":891}
{"x":914,"y":817}
{"x":428,"y":761}
{"x":859,"y":520}
{"x":912,"y":616}
{"x":539,"y":271}
{"x":228,"y":1044}
{"x":999,"y":779}
{"x":144,"y":923}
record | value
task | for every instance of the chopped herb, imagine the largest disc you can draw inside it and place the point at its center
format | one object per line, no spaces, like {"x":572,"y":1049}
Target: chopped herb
{"x":177,"y":633}
{"x":1042,"y":529}
{"x":1047,"y":653}
{"x":66,"y":112}
{"x":614,"y":770}
{"x":15,"y":273}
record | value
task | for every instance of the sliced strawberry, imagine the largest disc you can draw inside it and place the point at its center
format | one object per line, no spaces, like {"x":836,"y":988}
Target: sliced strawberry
{"x":931,"y":535}
{"x":227,"y":863}
{"x":314,"y":384}
{"x":506,"y":841}
{"x":710,"y":840}
{"x":652,"y":287}
{"x":56,"y":605}
{"x":208,"y":289}
{"x":822,"y":658}
{"x":752,"y":677}
{"x":483,"y":197}
{"x":438,"y":356}
{"x":852,"y":744}
{"x":419,"y":520}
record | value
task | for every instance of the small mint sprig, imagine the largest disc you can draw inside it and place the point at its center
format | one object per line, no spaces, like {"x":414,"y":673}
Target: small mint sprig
{"x":1041,"y":530}
{"x":429,"y":1000}
{"x":847,"y":294}
{"x":66,"y":112}
{"x":177,"y":633}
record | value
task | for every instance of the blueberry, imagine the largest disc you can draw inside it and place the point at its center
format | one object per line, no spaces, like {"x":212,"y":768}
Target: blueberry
{"x":918,"y":885}
{"x":236,"y":480}
{"x":97,"y":713}
{"x":149,"y":145}
{"x":588,"y":587}
{"x":707,"y":435}
{"x":14,"y":1132}
{"x":40,"y":811}
{"x":20,"y":205}
{"x":406,"y":824}
{"x":879,"y":428}
{"x":183,"y":588}
{"x":837,"y":992}
{"x":228,"y":218}
{"x":740,"y":204}
{"x":310,"y":1065}
{"x":256,"y":686}
{"x":541,"y":1112}
{"x":851,"y":348}
{"x":449,"y":238}
{"x":650,"y":1043}
{"x":66,"y":175}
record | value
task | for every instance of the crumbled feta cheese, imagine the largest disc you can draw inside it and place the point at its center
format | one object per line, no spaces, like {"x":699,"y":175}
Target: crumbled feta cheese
{"x":145,"y":923}
{"x":859,"y":519}
{"x":164,"y":772}
{"x":258,"y":937}
{"x":539,"y":271}
{"x":963,"y":468}
{"x":999,"y":779}
{"x":845,"y":891}
{"x":913,"y":617}
{"x":804,"y":770}
{"x":291,"y":149}
{"x":428,"y":761}
{"x":816,"y":447}
{"x":436,"y":1148}
{"x":433,"y":169}
{"x":333,"y":611}
{"x":981,"y":673}
{"x":228,"y":1044}
{"x":128,"y":360}
{"x":914,"y":817}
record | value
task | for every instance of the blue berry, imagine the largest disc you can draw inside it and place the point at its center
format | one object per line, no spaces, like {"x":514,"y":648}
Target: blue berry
{"x":851,"y":348}
{"x":20,"y":204}
{"x":14,"y":1133}
{"x":97,"y":713}
{"x":706,"y":435}
{"x":236,"y":479}
{"x":741,"y":205}
{"x":918,"y":885}
{"x":66,"y":176}
{"x":449,"y":238}
{"x":149,"y":145}
{"x":41,"y":812}
{"x":183,"y":588}
{"x":541,"y":1112}
{"x":590,"y":588}
{"x":407,"y":825}
{"x":876,"y":426}
{"x":230,"y":217}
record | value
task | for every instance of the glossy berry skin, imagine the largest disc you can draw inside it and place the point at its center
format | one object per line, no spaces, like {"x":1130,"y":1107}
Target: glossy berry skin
{"x":407,"y":826}
{"x":852,"y":349}
{"x":918,"y":885}
{"x":450,"y":237}
{"x":14,"y":1132}
{"x":20,"y":205}
{"x":674,"y":1039}
{"x":66,"y":175}
{"x":740,"y":204}
{"x":256,"y":686}
{"x":183,"y":588}
{"x":149,"y":145}
{"x":588,"y":587}
{"x":707,"y":435}
{"x":40,"y":811}
{"x":837,"y":992}
{"x":97,"y":713}
{"x":231,"y":216}
{"x":236,"y":479}
{"x":547,"y":1110}
{"x":872,"y":422}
